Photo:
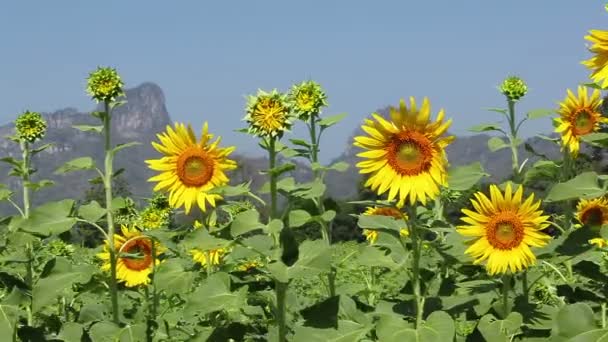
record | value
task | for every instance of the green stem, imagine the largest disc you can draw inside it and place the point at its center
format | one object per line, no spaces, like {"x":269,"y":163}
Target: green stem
{"x":603,"y":315}
{"x":416,"y":244}
{"x":273,"y":178}
{"x":524,"y":285}
{"x":29,"y":280}
{"x":208,"y":263}
{"x":506,"y":287}
{"x":281,"y":294}
{"x":513,"y":141}
{"x":567,"y":169}
{"x":26,"y":178}
{"x":109,"y":215}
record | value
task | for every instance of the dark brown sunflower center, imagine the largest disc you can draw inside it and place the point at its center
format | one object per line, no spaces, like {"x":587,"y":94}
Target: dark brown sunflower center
{"x":194,"y":167}
{"x":593,"y":216}
{"x":137,"y":254}
{"x":505,"y":231}
{"x":410,"y":153}
{"x":584,"y":122}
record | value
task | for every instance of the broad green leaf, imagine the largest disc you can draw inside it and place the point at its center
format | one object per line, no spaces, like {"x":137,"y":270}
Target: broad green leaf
{"x":123,"y":146}
{"x":48,"y":219}
{"x":89,"y":128}
{"x":300,"y":142}
{"x":245,"y":222}
{"x":314,"y":258}
{"x":71,"y":332}
{"x":597,"y":335}
{"x":572,"y":320}
{"x":340,"y":166}
{"x":298,"y":218}
{"x":232,"y":191}
{"x":110,"y":332}
{"x":497,"y":110}
{"x":500,"y":330}
{"x":5,"y":194}
{"x":496,"y":143}
{"x":323,"y":315}
{"x":347,"y":331}
{"x":392,"y":328}
{"x":371,"y":256}
{"x":41,"y":148}
{"x":35,"y":186}
{"x":261,"y":244}
{"x":542,"y":169}
{"x":463,"y":178}
{"x":328,"y":215}
{"x":539,"y":113}
{"x":172,"y":278}
{"x":486,"y":128}
{"x":92,"y":211}
{"x":9,"y":315}
{"x":584,"y":185}
{"x":379,"y":222}
{"x":598,"y":139}
{"x":214,"y":295}
{"x":203,"y":241}
{"x":78,"y":164}
{"x":331,"y":120}
{"x":441,"y":324}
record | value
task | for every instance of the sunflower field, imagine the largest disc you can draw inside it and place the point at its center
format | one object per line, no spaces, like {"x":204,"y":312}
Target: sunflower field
{"x":446,"y":255}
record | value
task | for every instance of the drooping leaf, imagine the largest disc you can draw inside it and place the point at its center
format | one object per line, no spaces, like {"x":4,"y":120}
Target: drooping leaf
{"x":89,"y":128}
{"x":78,"y":164}
{"x":496,"y":143}
{"x":245,"y":222}
{"x":585,"y":185}
{"x":486,"y":128}
{"x":123,"y":146}
{"x":48,"y":219}
{"x":329,"y":121}
{"x":539,"y":113}
{"x":214,"y":295}
{"x":172,"y":278}
{"x":92,"y":211}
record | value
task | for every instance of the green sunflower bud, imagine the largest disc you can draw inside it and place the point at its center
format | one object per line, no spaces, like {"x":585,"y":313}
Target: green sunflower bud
{"x":307,"y":99}
{"x":104,"y":84}
{"x":514,"y":88}
{"x":268,"y":114}
{"x":30,"y":126}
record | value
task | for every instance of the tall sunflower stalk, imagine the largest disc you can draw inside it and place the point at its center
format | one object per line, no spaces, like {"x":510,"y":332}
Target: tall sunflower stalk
{"x":105,"y":85}
{"x":269,"y":116}
{"x":406,"y":157}
{"x":307,"y":99}
{"x":30,"y":127}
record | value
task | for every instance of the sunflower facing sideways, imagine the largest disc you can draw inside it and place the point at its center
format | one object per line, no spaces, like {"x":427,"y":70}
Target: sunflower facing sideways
{"x":504,"y":228}
{"x":592,"y":212}
{"x":372,"y":235}
{"x":190,"y":169}
{"x":405,"y":156}
{"x":598,"y":64}
{"x":134,"y":256}
{"x":579,"y":116}
{"x":215,"y":255}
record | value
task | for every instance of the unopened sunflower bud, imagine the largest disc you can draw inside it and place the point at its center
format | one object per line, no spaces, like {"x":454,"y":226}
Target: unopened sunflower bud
{"x":104,"y":84}
{"x":514,"y":88}
{"x":30,"y":126}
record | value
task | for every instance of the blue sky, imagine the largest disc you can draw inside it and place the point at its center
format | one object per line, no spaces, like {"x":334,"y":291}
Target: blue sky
{"x":207,"y":56}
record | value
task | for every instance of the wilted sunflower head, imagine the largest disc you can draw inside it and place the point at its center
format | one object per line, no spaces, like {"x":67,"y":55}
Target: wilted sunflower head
{"x":307,"y":99}
{"x":268,"y":114}
{"x":514,"y":88}
{"x":406,"y":155}
{"x":104,"y":84}
{"x":30,"y":126}
{"x":372,"y":235}
{"x":578,"y":116}
{"x":598,"y":64}
{"x":592,"y":212}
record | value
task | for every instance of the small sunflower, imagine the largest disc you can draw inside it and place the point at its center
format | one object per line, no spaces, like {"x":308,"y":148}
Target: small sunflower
{"x":30,"y":126}
{"x":592,"y":212}
{"x":134,"y":257}
{"x":579,"y":116}
{"x":514,"y":88}
{"x":504,"y":228}
{"x":307,"y":97}
{"x":215,"y":256}
{"x":104,"y":84}
{"x":372,"y":235}
{"x":598,"y":64}
{"x":268,"y":114}
{"x":190,"y":170}
{"x":250,"y":265}
{"x":406,"y":155}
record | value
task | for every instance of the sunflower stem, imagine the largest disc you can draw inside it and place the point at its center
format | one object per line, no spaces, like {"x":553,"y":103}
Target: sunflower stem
{"x":506,"y":287}
{"x":273,"y":178}
{"x":513,"y":141}
{"x":416,"y":244}
{"x":603,"y":315}
{"x":109,"y":215}
{"x":281,"y":294}
{"x":208,"y":263}
{"x":524,"y":285}
{"x":26,"y":178}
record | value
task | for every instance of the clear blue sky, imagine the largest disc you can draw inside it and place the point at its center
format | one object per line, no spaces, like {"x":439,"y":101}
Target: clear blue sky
{"x":207,"y":56}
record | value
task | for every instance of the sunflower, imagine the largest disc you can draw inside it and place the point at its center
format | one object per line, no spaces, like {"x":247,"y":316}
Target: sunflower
{"x":250,"y":265}
{"x":579,"y":116}
{"x":268,"y":114}
{"x":372,"y":235}
{"x":190,"y":170}
{"x":307,"y":97}
{"x":405,"y":155}
{"x":592,"y":212}
{"x":598,"y":63}
{"x":215,"y":256}
{"x":134,"y":256}
{"x":599,"y":242}
{"x":504,"y":228}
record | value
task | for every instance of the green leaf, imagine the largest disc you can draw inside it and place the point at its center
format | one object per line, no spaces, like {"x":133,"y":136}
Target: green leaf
{"x":500,"y":330}
{"x":300,"y":142}
{"x":89,"y":128}
{"x":5,"y":194}
{"x":78,"y":164}
{"x":539,"y":113}
{"x":172,"y":278}
{"x":441,"y":324}
{"x":71,"y":332}
{"x":371,"y":256}
{"x":35,"y":186}
{"x":496,"y":143}
{"x":497,"y":110}
{"x":214,"y":295}
{"x":203,"y":241}
{"x":92,"y":211}
{"x":11,"y":161}
{"x":572,"y":320}
{"x":110,"y":332}
{"x":340,"y":166}
{"x":9,"y":315}
{"x":298,"y":218}
{"x":463,"y":178}
{"x":245,"y":222}
{"x":584,"y":185}
{"x":328,"y":215}
{"x":48,"y":219}
{"x":232,"y":191}
{"x":329,"y":121}
{"x":597,"y":139}
{"x":347,"y":331}
{"x":379,"y":222}
{"x":542,"y":169}
{"x":486,"y":128}
{"x":123,"y":146}
{"x":286,"y":167}
{"x":594,"y":85}
{"x":314,"y":258}
{"x":41,"y":148}
{"x":597,"y":335}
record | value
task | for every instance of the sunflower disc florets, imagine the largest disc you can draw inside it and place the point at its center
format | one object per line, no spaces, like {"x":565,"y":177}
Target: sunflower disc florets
{"x":268,"y":114}
{"x":307,"y":98}
{"x":514,"y":88}
{"x":30,"y":126}
{"x":105,"y":84}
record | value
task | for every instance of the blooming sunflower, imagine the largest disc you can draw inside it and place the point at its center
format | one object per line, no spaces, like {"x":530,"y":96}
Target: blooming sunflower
{"x":504,"y":228}
{"x":215,"y":256}
{"x":268,"y":114}
{"x":372,"y":235}
{"x":579,"y":116}
{"x":134,"y":256}
{"x":599,"y":242}
{"x":592,"y":212}
{"x":598,"y":63}
{"x":406,"y":155}
{"x":190,"y":169}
